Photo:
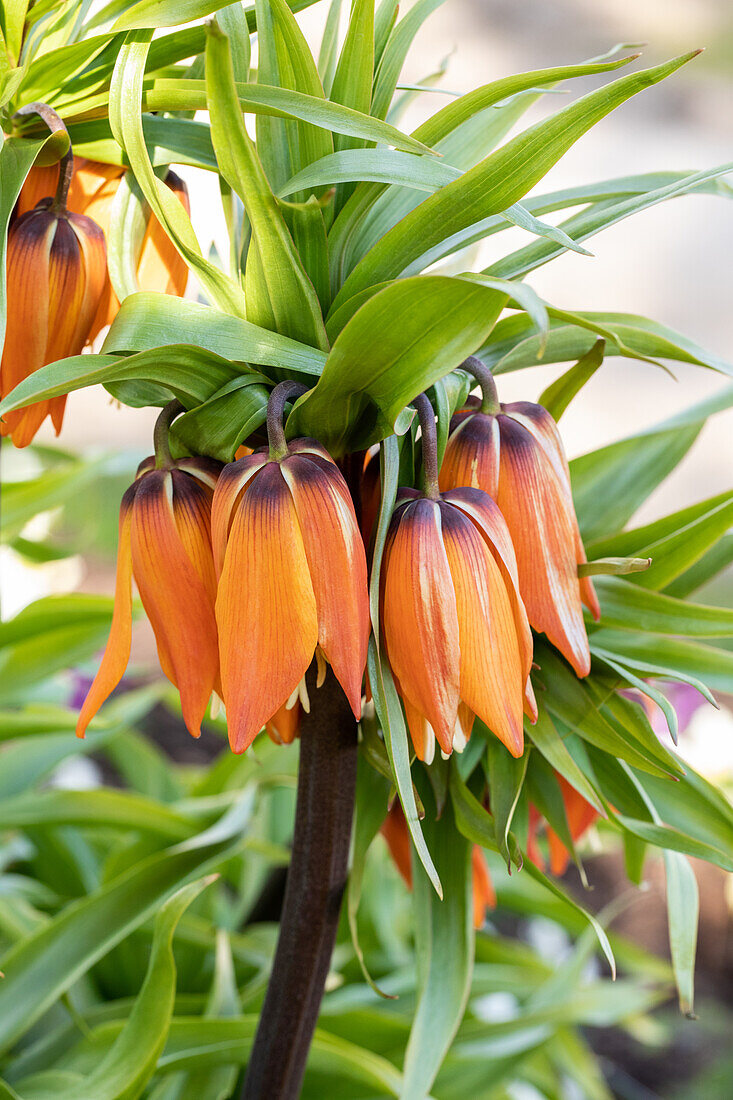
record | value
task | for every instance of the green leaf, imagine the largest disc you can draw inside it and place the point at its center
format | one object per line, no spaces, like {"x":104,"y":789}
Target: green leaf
{"x":633,"y":608}
{"x":572,"y":702}
{"x":669,"y":658}
{"x":189,"y":372}
{"x":506,"y":777}
{"x":220,"y":424}
{"x":596,"y":218}
{"x":519,"y":215}
{"x":328,"y":53}
{"x":171,"y":13}
{"x":103,"y":808}
{"x":352,"y":82}
{"x":613,"y":567}
{"x":127,"y":1067}
{"x":402,"y":340}
{"x":372,"y":797}
{"x":611,"y":483}
{"x":147,"y":321}
{"x":444,"y":947}
{"x":125,"y":98}
{"x":548,"y":741}
{"x":394,"y":54}
{"x":50,"y":960}
{"x":279,"y":294}
{"x":389,"y":712}
{"x":497,"y":182}
{"x":560,"y":393}
{"x":390,"y":166}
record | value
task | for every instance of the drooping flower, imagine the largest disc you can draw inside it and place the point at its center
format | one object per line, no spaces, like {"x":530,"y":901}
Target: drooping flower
{"x":396,"y":835}
{"x":93,"y":187}
{"x":580,"y":815}
{"x":292,"y":580}
{"x":165,"y":546}
{"x":514,"y":452}
{"x":56,"y":267}
{"x":455,"y":629}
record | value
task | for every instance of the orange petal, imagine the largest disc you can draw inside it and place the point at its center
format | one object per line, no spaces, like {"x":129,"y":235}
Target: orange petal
{"x":492,"y":682}
{"x":419,"y":617}
{"x":161,"y":267}
{"x":535,"y":507}
{"x":579,"y":812}
{"x":394,"y":830}
{"x":284,"y":725}
{"x":533,"y":849}
{"x":422,"y":733}
{"x":559,"y":855}
{"x":175,"y":598}
{"x":486,"y":515}
{"x":484,"y":895}
{"x":544,"y":429}
{"x":40,"y":183}
{"x":266,"y":608}
{"x":472,"y":454}
{"x":229,"y":486}
{"x":117,"y":651}
{"x":337,"y":565}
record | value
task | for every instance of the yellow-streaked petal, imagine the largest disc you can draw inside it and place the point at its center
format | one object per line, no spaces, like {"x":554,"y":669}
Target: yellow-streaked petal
{"x":337,"y":564}
{"x":486,"y":515}
{"x":472,"y":455}
{"x":419,"y":617}
{"x":117,"y":651}
{"x":230,"y":484}
{"x":175,"y":598}
{"x":535,"y":507}
{"x":265,"y":608}
{"x":492,"y":681}
{"x":544,"y":429}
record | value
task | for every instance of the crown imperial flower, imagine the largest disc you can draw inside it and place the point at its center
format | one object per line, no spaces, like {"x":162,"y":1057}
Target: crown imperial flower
{"x":455,"y":629}
{"x":56,"y":267}
{"x":292,"y":577}
{"x":165,"y":546}
{"x":514,"y":452}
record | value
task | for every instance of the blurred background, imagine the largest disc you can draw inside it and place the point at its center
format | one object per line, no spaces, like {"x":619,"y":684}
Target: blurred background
{"x":671,"y":263}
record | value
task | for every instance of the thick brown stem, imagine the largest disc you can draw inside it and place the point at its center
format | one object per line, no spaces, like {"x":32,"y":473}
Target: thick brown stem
{"x":315,"y":886}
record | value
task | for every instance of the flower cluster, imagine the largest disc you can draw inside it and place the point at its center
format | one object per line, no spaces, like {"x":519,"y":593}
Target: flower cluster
{"x":249,"y":571}
{"x":59,"y":293}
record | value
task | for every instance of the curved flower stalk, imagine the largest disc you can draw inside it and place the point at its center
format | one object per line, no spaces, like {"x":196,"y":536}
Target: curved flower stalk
{"x":396,"y":835}
{"x":56,"y":267}
{"x":292,"y":577}
{"x":455,"y":629}
{"x":515,"y":454}
{"x":165,"y":546}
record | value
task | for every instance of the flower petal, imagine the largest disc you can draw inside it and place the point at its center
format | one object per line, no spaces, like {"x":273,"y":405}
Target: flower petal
{"x":117,"y":651}
{"x":484,"y":895}
{"x":174,"y":596}
{"x":419,"y":617}
{"x":544,"y":429}
{"x":535,"y":507}
{"x":283,"y":727}
{"x":266,"y":608}
{"x":337,"y":564}
{"x":472,"y":454}
{"x":492,"y":680}
{"x":230,"y":484}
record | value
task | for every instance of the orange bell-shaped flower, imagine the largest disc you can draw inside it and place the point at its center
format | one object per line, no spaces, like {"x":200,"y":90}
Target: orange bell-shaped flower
{"x":455,"y":629}
{"x":514,"y":453}
{"x":165,"y":546}
{"x":292,"y":577}
{"x":56,"y":267}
